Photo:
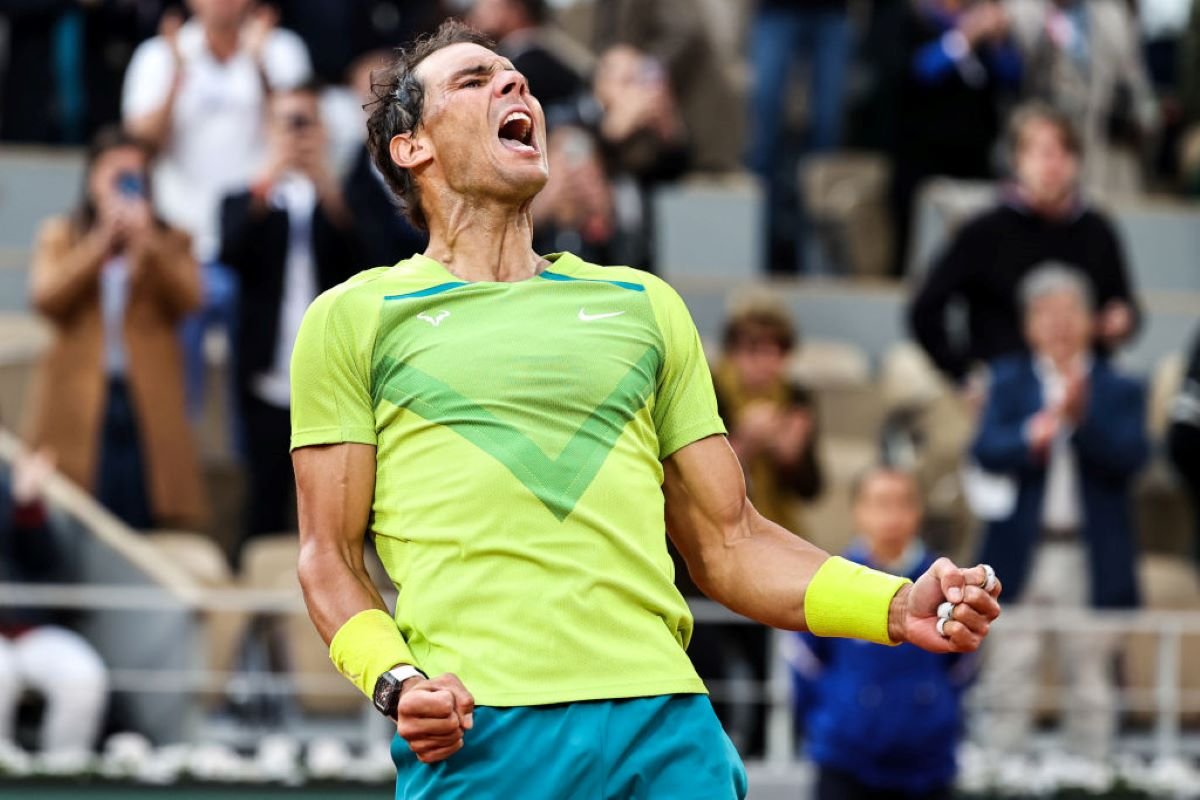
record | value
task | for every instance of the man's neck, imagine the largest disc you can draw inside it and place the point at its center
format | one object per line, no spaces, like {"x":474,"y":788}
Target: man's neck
{"x":484,"y":242}
{"x":222,"y":41}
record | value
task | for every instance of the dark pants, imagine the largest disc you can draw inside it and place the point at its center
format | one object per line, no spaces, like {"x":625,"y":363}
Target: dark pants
{"x":781,"y":39}
{"x":835,"y":785}
{"x":271,"y":493}
{"x":121,"y":482}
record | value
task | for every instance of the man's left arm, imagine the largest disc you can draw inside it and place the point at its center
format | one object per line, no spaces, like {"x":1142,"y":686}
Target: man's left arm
{"x":760,"y":570}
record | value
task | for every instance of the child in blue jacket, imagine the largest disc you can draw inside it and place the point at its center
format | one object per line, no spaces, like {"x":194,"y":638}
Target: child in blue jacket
{"x":880,"y":722}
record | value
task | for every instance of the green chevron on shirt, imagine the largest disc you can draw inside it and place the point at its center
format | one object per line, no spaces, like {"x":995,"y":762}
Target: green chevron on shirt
{"x":558,"y":482}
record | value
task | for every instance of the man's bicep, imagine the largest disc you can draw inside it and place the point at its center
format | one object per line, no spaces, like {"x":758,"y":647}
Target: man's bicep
{"x":705,"y":495}
{"x":335,"y":489}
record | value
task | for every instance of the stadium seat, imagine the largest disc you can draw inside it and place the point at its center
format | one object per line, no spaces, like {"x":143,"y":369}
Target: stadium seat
{"x":1168,"y":583}
{"x":846,"y":195}
{"x":709,"y":228}
{"x":828,"y":521}
{"x":908,"y":379}
{"x":825,"y":363}
{"x":269,"y":562}
{"x":204,"y":561}
{"x":1165,"y":384}
{"x":35,"y":184}
{"x":23,"y":338}
{"x":942,"y":205}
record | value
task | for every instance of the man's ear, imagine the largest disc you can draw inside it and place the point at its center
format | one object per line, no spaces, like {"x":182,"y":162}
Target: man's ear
{"x":409,"y":150}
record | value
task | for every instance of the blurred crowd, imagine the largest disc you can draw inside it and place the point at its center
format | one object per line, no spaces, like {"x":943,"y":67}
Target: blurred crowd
{"x":227,"y":184}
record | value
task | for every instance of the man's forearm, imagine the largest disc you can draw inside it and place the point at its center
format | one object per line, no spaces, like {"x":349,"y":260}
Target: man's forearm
{"x":334,"y":590}
{"x":761,"y":572}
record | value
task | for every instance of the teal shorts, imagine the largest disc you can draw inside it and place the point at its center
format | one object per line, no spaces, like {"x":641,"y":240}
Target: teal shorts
{"x":648,"y":748}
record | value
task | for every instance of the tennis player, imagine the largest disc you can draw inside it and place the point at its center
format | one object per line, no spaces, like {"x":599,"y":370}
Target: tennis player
{"x":519,"y":434}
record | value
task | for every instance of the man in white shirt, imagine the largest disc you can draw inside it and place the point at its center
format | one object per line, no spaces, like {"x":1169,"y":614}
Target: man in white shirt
{"x":198,"y":92}
{"x":1070,"y":432}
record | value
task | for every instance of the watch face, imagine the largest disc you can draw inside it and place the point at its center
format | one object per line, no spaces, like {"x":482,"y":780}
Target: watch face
{"x":387,"y":694}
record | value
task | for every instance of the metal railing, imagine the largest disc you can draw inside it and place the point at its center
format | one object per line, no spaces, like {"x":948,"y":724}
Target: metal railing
{"x":1166,"y":701}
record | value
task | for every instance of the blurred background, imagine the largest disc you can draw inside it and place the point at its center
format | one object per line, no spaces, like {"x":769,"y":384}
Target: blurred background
{"x":944,"y":256}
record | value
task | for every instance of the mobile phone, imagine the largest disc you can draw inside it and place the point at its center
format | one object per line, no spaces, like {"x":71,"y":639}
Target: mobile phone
{"x":131,"y":185}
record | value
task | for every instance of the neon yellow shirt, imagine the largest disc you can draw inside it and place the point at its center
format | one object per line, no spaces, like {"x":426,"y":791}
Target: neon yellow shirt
{"x":519,"y":431}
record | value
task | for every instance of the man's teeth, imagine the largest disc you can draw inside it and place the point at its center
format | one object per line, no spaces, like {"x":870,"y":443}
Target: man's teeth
{"x":521,"y":115}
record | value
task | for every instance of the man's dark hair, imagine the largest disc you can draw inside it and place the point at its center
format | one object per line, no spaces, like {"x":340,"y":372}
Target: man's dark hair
{"x":1038,"y":111}
{"x":397,"y":104}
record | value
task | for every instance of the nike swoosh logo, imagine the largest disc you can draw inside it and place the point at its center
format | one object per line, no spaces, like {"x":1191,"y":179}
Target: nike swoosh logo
{"x":586,"y":317}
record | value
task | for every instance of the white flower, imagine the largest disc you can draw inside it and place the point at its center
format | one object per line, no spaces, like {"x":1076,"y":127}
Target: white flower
{"x":216,"y":762}
{"x":278,"y":759}
{"x":63,"y":762}
{"x":14,"y":761}
{"x":376,"y":765}
{"x":125,"y":754}
{"x":328,"y":758}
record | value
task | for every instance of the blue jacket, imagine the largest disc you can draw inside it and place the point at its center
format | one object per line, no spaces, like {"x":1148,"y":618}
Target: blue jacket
{"x":1110,"y":446}
{"x":889,"y":716}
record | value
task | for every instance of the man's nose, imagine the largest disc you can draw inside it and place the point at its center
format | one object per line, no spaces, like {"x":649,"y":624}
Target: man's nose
{"x":511,"y":82}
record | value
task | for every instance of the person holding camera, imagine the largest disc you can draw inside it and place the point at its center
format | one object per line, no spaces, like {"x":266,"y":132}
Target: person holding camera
{"x":289,"y":236}
{"x":114,"y":281}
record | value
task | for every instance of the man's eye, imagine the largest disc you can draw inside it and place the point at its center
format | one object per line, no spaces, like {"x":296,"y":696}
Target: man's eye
{"x":473,"y":83}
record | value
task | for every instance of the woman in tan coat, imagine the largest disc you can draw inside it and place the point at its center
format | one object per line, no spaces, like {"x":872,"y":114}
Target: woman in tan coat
{"x":108,"y":399}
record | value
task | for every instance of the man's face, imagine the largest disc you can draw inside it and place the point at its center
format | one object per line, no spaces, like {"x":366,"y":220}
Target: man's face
{"x":219,"y":13}
{"x":485,"y":131}
{"x":759,"y":360}
{"x":294,"y":119}
{"x":888,"y":510}
{"x":1058,"y":326}
{"x":1046,"y":170}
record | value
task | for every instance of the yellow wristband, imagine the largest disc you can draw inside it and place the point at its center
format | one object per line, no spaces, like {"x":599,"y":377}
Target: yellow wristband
{"x":850,"y":601}
{"x":368,"y":645}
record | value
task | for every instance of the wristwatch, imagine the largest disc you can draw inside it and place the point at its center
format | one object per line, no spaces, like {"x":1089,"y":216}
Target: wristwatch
{"x":387,"y":689}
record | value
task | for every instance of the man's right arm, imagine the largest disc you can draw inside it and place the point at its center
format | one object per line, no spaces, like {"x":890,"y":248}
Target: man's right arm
{"x":335,"y":487}
{"x":152,"y":85}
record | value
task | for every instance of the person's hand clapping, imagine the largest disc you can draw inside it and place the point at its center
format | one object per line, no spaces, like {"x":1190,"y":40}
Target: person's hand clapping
{"x":1075,"y":398}
{"x":759,"y":424}
{"x":1043,"y":427}
{"x":433,"y":715}
{"x":257,"y":29}
{"x":972,"y":607}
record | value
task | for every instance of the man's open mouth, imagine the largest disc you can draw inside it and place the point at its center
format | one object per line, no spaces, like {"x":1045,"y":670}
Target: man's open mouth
{"x":516,"y":132}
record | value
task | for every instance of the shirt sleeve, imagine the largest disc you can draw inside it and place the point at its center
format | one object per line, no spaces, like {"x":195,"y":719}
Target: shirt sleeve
{"x":685,"y":403}
{"x":148,"y":80}
{"x":331,"y":373}
{"x":286,"y":60}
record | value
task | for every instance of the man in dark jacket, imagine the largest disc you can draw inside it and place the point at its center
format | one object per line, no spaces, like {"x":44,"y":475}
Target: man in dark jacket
{"x":36,"y":653}
{"x":1068,"y":432}
{"x":289,"y":236}
{"x":880,"y":722}
{"x":1041,"y":218}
